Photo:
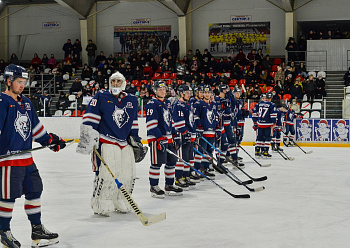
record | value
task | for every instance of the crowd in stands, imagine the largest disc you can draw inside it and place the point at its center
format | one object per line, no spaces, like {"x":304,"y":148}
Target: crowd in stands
{"x":253,"y":73}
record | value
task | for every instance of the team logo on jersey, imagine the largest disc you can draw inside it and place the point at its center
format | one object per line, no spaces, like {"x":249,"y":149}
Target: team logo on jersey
{"x":27,"y":105}
{"x":23,"y":125}
{"x":166,"y":117}
{"x":129,"y":105}
{"x":120,"y":116}
{"x":191,"y":118}
{"x":210,"y":116}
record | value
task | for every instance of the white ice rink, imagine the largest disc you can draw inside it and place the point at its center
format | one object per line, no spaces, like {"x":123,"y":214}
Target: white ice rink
{"x":306,"y":204}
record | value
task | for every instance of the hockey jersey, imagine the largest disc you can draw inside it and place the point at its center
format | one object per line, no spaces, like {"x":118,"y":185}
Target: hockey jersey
{"x":114,"y":118}
{"x":158,"y":120}
{"x":265,"y":114}
{"x":279,"y":118}
{"x":183,"y":117}
{"x":19,"y":126}
{"x":289,"y":117}
{"x":206,"y":114}
{"x":236,"y":112}
{"x":223,"y":111}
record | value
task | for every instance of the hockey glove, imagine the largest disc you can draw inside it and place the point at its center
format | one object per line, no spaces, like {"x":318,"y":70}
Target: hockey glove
{"x":199,"y":134}
{"x":255,"y":126}
{"x":57,"y":142}
{"x":177,"y":141}
{"x":186,"y":138}
{"x":161,"y":142}
{"x":218,"y":134}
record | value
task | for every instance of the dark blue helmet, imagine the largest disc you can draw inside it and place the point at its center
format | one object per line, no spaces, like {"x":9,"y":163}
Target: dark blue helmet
{"x":207,"y":88}
{"x":269,"y":95}
{"x":223,"y":87}
{"x":182,"y":89}
{"x":15,"y":71}
{"x":158,"y":84}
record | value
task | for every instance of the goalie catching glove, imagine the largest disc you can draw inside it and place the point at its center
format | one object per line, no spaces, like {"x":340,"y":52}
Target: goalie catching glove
{"x":140,"y":151}
{"x":89,"y":138}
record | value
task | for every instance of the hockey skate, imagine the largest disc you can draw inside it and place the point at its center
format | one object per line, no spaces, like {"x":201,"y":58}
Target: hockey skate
{"x":195,"y":178}
{"x":8,"y":240}
{"x":208,"y":174}
{"x":286,"y":143}
{"x":191,"y":185}
{"x":156,"y":192}
{"x":173,"y":190}
{"x":278,"y":148}
{"x":257,"y":154}
{"x":238,"y":163}
{"x":291,"y":144}
{"x":274,"y":149}
{"x":42,"y":237}
{"x":180,"y":182}
{"x":240,"y":159}
{"x":266,"y":155}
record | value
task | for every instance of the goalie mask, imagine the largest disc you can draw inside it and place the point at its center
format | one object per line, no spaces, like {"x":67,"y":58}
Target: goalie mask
{"x":115,"y":90}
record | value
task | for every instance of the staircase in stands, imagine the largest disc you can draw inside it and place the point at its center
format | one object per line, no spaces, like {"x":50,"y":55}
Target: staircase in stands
{"x":335,"y":94}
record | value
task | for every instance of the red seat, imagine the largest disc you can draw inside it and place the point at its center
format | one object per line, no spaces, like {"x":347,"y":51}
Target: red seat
{"x":76,"y":113}
{"x":173,"y":76}
{"x":159,"y":69}
{"x":179,"y":81}
{"x":219,"y":74}
{"x":156,"y":76}
{"x":233,"y":82}
{"x":262,"y":89}
{"x":274,"y":68}
{"x":287,"y":97}
{"x":246,"y":105}
{"x":143,"y":81}
{"x":277,"y":61}
{"x":268,"y":89}
{"x":209,"y":74}
{"x":248,"y":67}
{"x":272,"y":74}
{"x":252,"y":105}
{"x":165,"y":76}
{"x":242,"y":81}
{"x":135,"y":82}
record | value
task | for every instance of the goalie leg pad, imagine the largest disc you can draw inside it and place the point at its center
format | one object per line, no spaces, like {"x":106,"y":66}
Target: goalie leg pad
{"x":122,"y":164}
{"x":102,"y":198}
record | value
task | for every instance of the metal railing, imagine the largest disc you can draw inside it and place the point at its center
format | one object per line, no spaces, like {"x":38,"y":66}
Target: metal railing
{"x":44,"y":82}
{"x":314,"y":60}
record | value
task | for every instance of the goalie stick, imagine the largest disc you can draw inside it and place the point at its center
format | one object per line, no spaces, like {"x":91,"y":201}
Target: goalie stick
{"x":146,"y":221}
{"x":211,"y":180}
{"x":34,"y":149}
{"x":308,"y":152}
{"x":233,"y":177}
{"x":261,"y":165}
{"x":232,"y":162}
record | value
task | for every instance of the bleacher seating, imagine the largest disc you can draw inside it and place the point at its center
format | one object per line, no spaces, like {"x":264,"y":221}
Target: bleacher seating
{"x":313,"y":73}
{"x":316,"y":106}
{"x":315,"y":114}
{"x":58,"y":113}
{"x":287,"y":97}
{"x":306,"y":105}
{"x":306,"y":114}
{"x":84,"y":82}
{"x":67,"y":113}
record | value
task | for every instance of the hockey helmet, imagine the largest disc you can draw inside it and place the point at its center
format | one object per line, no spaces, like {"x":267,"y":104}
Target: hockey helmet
{"x":158,"y":84}
{"x":182,"y":89}
{"x":262,"y":96}
{"x":269,"y":95}
{"x":207,"y":88}
{"x":223,"y":87}
{"x":15,"y":71}
{"x":117,"y":76}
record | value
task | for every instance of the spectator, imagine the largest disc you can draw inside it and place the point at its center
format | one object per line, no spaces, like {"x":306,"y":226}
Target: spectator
{"x":76,"y":87}
{"x":36,"y":61}
{"x":2,"y":66}
{"x":76,"y":48}
{"x":347,"y":78}
{"x":69,"y":59}
{"x":36,"y":100}
{"x":252,"y":56}
{"x":87,"y":73}
{"x":76,"y":63}
{"x":59,"y":81}
{"x":320,"y":88}
{"x":62,"y":102}
{"x":241,"y":58}
{"x":256,"y":92}
{"x":165,"y":54}
{"x":189,"y":55}
{"x":180,"y":70}
{"x":292,"y":49}
{"x":164,"y":39}
{"x":132,"y":89}
{"x":45,"y":61}
{"x":329,"y":35}
{"x":67,"y":48}
{"x":275,"y":97}
{"x":302,"y":48}
{"x":338,"y":34}
{"x":296,"y":92}
{"x":187,"y":77}
{"x":45,"y":100}
{"x":100,"y":78}
{"x":279,"y":76}
{"x":171,"y":64}
{"x":79,"y":98}
{"x":52,"y":62}
{"x":302,"y":70}
{"x":87,"y":90}
{"x":216,"y":91}
{"x":295,"y":106}
{"x":278,"y":88}
{"x":174,"y":47}
{"x":100,"y":58}
{"x":96,"y":89}
{"x":143,"y":90}
{"x":311,"y":36}
{"x":14,"y":59}
{"x":259,"y":56}
{"x":137,"y":73}
{"x":147,"y":71}
{"x":91,"y":49}
{"x":221,"y":66}
{"x":310,"y":88}
{"x":267,"y":64}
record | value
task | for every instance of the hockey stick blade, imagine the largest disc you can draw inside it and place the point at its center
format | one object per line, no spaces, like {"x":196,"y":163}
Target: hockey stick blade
{"x":265,"y":165}
{"x":248,"y":182}
{"x":309,"y":152}
{"x":260,"y":179}
{"x":246,"y":196}
{"x":154,"y":219}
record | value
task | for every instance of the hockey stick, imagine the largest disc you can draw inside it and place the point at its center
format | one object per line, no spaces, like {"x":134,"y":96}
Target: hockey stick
{"x":146,"y":221}
{"x":34,"y":149}
{"x":223,"y":167}
{"x":211,"y":180}
{"x":261,"y":165}
{"x":285,"y":155}
{"x":232,"y":162}
{"x":299,"y":146}
{"x":234,"y":177}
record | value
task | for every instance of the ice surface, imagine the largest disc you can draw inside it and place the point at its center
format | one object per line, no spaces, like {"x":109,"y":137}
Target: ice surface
{"x":305,"y":204}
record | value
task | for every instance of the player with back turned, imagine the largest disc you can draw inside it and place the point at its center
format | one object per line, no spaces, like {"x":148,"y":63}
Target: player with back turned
{"x":19,"y":126}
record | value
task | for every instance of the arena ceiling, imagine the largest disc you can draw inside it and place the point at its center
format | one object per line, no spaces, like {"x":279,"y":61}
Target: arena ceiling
{"x":180,"y":7}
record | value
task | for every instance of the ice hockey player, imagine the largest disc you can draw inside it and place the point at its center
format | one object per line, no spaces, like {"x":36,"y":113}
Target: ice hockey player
{"x":19,"y":126}
{"x":289,"y":116}
{"x":183,"y":118}
{"x":110,"y":122}
{"x":266,"y":120}
{"x":224,"y":119}
{"x":276,"y":137}
{"x":159,"y":136}
{"x":206,"y":123}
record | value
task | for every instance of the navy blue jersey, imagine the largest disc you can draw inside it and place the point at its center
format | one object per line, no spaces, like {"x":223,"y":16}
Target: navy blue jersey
{"x":266,"y":114}
{"x":183,"y":117}
{"x":236,"y":112}
{"x":223,"y":111}
{"x":207,"y":117}
{"x":289,"y":117}
{"x":240,"y":118}
{"x":279,"y":117}
{"x":19,"y":125}
{"x":114,"y":118}
{"x":158,"y":120}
